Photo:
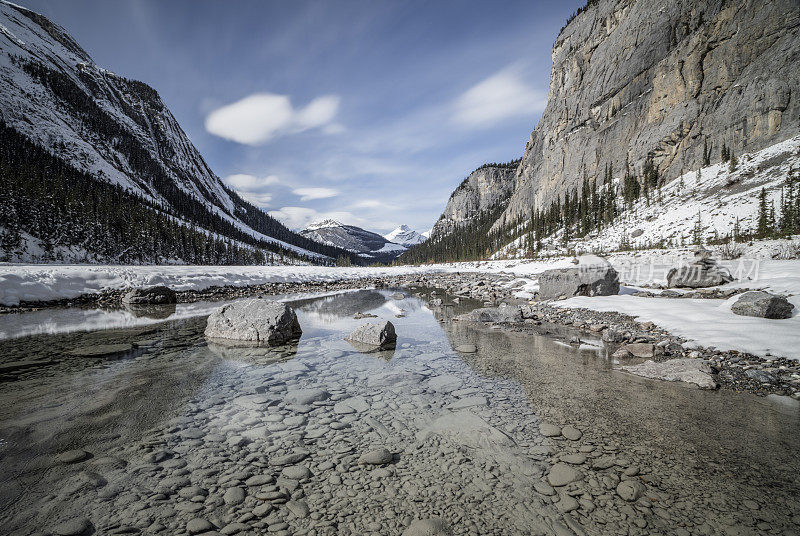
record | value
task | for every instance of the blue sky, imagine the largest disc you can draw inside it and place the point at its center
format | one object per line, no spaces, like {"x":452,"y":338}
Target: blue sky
{"x":369,"y":112}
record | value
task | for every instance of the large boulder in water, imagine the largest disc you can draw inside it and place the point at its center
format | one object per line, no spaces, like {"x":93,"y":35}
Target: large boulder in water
{"x":594,"y":276}
{"x":762,"y":305}
{"x":374,"y":335}
{"x":254,"y":321}
{"x":158,"y":295}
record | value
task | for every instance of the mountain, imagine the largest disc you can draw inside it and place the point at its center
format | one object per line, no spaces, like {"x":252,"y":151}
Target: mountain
{"x":641,"y":93}
{"x":405,"y":236}
{"x":366,"y":244}
{"x":650,"y":82}
{"x":113,"y":141}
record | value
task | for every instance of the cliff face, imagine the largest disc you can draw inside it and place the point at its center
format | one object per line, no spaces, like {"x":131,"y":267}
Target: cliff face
{"x":484,"y":189}
{"x":639,"y":79}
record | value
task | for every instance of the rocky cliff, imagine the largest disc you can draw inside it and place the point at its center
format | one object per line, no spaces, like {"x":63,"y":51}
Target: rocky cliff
{"x":634,"y":80}
{"x":486,"y":188}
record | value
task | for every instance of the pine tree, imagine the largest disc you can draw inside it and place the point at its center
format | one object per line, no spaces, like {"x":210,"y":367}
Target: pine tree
{"x":762,"y":228}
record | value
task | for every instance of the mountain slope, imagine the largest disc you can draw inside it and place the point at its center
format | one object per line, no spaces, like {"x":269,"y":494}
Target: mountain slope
{"x":119,"y":132}
{"x":643,"y":81}
{"x":366,"y":244}
{"x":405,"y":236}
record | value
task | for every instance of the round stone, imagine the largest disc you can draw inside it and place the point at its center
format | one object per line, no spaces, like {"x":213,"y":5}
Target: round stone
{"x":73,"y":456}
{"x":379,"y":456}
{"x":549,"y":430}
{"x":234,"y":496}
{"x":466,"y":348}
{"x":434,"y":526}
{"x":630,"y":490}
{"x":198,"y":525}
{"x":73,"y":527}
{"x":296,"y":472}
{"x":571,"y":433}
{"x":562,"y":474}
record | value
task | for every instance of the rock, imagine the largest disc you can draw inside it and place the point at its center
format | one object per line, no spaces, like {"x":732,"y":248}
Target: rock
{"x":621,"y":353}
{"x":73,"y":456}
{"x":762,"y":305}
{"x":380,"y":456}
{"x":630,"y":490}
{"x":304,"y":397}
{"x":234,"y":496}
{"x":296,"y":472}
{"x":376,"y":335}
{"x":298,"y":508}
{"x":198,"y":525}
{"x":571,"y":433}
{"x":701,"y":273}
{"x":586,"y":280}
{"x":689,"y":370}
{"x":549,"y":430}
{"x":562,"y":474}
{"x":397,"y":296}
{"x":466,"y":348}
{"x":567,"y":504}
{"x":73,"y":527}
{"x":434,"y":526}
{"x":158,"y":295}
{"x":760,"y":376}
{"x":469,"y":430}
{"x":544,"y":488}
{"x":289,"y":459}
{"x":640,"y":349}
{"x":254,"y":321}
{"x":500,"y":315}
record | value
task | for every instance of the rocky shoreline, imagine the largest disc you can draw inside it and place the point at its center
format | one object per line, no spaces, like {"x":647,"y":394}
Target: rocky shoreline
{"x":729,"y":369}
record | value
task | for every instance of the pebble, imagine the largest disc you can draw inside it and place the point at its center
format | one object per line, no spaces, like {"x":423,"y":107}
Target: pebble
{"x":562,"y":474}
{"x":549,"y":430}
{"x":234,"y":496}
{"x":380,"y":456}
{"x":198,"y":525}
{"x":434,"y":526}
{"x":73,"y":527}
{"x":571,"y":433}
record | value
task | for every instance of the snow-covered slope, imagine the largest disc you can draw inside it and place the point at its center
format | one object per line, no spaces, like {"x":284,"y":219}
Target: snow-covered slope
{"x":405,"y":236}
{"x":365,"y":243}
{"x":117,"y":130}
{"x":714,"y":201}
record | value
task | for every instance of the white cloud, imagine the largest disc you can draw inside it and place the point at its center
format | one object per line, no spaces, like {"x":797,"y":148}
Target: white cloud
{"x":501,"y":96}
{"x":242,"y":181}
{"x":262,"y":117}
{"x":307,"y":194}
{"x":257,"y":199}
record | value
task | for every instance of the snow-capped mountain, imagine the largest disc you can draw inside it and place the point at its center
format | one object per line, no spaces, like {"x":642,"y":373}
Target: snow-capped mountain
{"x":365,"y":243}
{"x":119,"y":132}
{"x":405,"y":236}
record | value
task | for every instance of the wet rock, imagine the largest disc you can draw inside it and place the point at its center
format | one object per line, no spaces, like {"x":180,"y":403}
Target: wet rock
{"x":434,"y":526}
{"x":303,"y":397}
{"x":761,"y":376}
{"x":598,"y":279}
{"x":380,"y":456}
{"x":254,"y":321}
{"x":73,"y":456}
{"x":498,"y":315}
{"x":73,"y":527}
{"x":158,"y":295}
{"x":198,"y":525}
{"x":630,"y":490}
{"x":562,"y":474}
{"x":640,"y":349}
{"x":762,"y":305}
{"x":376,"y":335}
{"x":688,"y":370}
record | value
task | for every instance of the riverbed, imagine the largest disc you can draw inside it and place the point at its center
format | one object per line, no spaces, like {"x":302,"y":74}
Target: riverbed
{"x":115,"y":421}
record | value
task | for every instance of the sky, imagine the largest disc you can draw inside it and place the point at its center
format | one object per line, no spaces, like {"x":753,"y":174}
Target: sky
{"x":367,"y":112}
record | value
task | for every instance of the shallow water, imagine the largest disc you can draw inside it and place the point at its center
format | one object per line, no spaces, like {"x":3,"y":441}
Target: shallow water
{"x":178,"y":429}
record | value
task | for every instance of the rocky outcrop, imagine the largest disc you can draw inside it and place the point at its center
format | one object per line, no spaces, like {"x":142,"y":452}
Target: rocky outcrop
{"x":485,"y":189}
{"x":762,"y":305}
{"x":254,"y":321}
{"x":634,"y":80}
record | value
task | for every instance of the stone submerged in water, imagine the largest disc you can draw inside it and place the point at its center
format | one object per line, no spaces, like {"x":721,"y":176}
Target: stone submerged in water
{"x":375,"y":335}
{"x":254,"y":321}
{"x":434,"y":526}
{"x":762,"y":304}
{"x":508,"y":314}
{"x":599,"y":279}
{"x":158,"y":295}
{"x":688,"y":370}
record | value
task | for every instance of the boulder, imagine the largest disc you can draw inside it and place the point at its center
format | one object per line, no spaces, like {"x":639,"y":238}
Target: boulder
{"x":701,"y":273}
{"x":158,"y":295}
{"x":254,"y":321}
{"x":595,"y":279}
{"x":762,"y":305}
{"x":375,"y":335}
{"x":689,"y":370}
{"x":640,"y":349}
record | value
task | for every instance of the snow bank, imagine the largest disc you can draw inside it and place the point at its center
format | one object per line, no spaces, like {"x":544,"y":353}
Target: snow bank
{"x":51,"y":282}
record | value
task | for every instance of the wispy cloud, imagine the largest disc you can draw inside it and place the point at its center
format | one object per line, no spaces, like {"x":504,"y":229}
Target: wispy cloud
{"x":262,"y":117}
{"x":252,"y":188}
{"x":501,"y":96}
{"x":307,"y":194}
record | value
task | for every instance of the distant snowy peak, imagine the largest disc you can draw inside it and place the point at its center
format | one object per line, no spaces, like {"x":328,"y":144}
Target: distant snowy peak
{"x":405,"y":236}
{"x":322,"y":224}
